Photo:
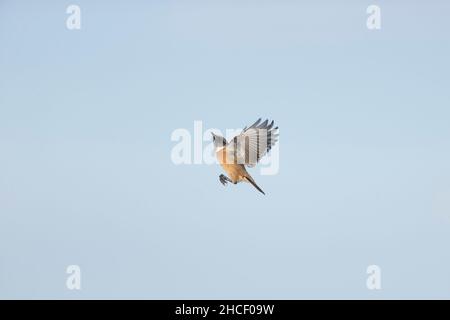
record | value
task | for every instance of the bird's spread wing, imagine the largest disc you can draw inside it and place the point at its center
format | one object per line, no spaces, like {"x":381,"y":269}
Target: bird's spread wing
{"x":253,"y":143}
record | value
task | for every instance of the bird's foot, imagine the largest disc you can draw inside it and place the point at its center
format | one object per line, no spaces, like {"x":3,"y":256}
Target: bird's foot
{"x":223,"y":179}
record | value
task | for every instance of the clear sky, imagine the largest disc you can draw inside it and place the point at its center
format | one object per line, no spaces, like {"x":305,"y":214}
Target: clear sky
{"x":86,"y":176}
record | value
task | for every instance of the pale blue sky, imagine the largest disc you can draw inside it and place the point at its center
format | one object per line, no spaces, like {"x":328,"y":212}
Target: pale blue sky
{"x":86,"y":176}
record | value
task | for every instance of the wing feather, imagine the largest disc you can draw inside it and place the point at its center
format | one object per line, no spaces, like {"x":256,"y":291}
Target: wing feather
{"x":253,"y":143}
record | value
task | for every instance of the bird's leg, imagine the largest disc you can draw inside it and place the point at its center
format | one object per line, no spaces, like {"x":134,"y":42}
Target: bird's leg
{"x":224,"y":179}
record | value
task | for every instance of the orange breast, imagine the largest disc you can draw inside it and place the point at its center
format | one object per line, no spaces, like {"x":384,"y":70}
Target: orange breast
{"x":234,"y":171}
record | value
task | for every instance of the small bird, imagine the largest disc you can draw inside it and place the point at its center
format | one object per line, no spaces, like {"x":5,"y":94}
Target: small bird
{"x":244,"y":150}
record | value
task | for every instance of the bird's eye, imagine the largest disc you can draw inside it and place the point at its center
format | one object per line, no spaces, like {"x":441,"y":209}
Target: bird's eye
{"x":214,"y":138}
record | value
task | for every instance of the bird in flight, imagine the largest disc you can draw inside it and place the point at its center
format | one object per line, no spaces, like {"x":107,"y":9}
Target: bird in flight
{"x":244,"y":150}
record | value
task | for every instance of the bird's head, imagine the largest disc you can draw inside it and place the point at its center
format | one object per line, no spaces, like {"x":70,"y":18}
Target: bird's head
{"x":219,"y":141}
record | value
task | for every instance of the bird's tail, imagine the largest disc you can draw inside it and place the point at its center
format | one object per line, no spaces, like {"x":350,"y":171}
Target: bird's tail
{"x":250,"y":179}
